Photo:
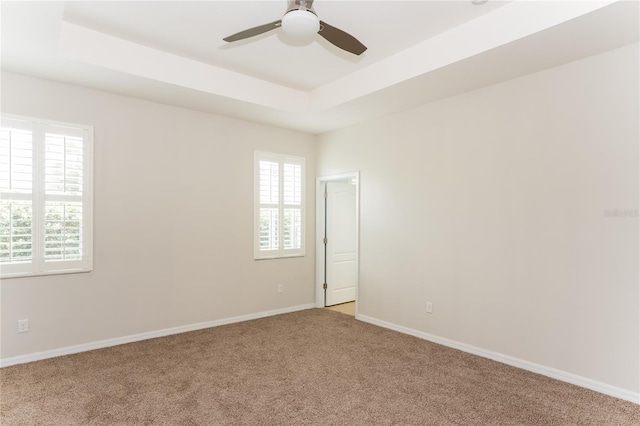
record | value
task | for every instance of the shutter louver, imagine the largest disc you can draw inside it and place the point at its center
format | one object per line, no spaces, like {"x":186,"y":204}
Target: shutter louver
{"x":269,"y":182}
{"x":63,"y":172}
{"x":16,"y":160}
{"x":292,"y":229}
{"x":268,"y":229}
{"x":292,"y":184}
{"x":63,"y":231}
{"x":16,"y":218}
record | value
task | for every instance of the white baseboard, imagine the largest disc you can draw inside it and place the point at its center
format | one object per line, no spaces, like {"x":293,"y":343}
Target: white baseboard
{"x":515,"y":362}
{"x":68,"y":350}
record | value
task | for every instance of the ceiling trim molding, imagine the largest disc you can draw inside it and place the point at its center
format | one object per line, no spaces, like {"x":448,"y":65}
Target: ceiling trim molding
{"x":509,"y":23}
{"x":86,"y":45}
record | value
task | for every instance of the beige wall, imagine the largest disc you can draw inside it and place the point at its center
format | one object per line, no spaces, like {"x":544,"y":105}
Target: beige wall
{"x":491,"y":205}
{"x":173,"y":236}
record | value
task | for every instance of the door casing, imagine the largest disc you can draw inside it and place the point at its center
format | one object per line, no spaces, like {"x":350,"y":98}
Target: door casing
{"x":320,"y":182}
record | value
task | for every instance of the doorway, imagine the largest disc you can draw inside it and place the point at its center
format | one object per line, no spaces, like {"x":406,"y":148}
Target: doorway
{"x":337,"y":236}
{"x":348,"y":308}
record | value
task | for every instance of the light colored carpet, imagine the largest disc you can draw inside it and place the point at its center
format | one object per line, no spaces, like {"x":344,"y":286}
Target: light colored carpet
{"x":314,"y":367}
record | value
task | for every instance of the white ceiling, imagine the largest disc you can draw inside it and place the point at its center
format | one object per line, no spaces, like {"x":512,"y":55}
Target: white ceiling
{"x":172,"y":52}
{"x":195,"y":30}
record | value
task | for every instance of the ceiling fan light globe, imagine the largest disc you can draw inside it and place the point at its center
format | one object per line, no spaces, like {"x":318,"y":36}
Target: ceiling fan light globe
{"x":300,"y":24}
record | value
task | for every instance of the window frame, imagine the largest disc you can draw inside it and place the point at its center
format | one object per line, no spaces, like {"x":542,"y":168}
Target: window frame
{"x":38,"y":265}
{"x":281,"y":252}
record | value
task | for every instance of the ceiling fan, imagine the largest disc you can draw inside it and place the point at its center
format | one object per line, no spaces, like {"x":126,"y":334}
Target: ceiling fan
{"x":301,"y":21}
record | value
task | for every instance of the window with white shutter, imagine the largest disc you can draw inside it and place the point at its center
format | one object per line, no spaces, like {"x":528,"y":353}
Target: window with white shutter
{"x":279,"y":206}
{"x":45,"y":197}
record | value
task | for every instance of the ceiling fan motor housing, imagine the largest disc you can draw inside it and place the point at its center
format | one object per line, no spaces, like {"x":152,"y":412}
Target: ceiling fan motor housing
{"x":300,"y":20}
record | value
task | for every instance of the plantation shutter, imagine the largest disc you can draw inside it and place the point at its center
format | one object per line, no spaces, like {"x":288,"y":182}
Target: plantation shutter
{"x":279,"y":205}
{"x":45,"y":197}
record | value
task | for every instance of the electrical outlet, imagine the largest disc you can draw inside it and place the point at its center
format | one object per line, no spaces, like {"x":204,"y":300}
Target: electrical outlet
{"x":429,"y":307}
{"x":23,"y":326}
{"x":280,"y":288}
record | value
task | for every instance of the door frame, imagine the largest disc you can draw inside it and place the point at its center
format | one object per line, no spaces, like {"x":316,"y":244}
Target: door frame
{"x":320,"y":182}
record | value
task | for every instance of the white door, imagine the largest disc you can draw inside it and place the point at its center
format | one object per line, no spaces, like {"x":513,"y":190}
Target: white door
{"x":340,"y":227}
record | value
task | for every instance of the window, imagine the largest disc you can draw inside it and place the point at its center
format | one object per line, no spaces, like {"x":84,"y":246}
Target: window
{"x":279,"y":206}
{"x":45,"y":197}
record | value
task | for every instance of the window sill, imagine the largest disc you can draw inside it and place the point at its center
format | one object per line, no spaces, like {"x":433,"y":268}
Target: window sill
{"x":279,"y":257}
{"x":42,"y":274}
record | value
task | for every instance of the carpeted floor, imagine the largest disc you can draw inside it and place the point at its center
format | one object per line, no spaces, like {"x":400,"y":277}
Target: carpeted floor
{"x":314,"y":367}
